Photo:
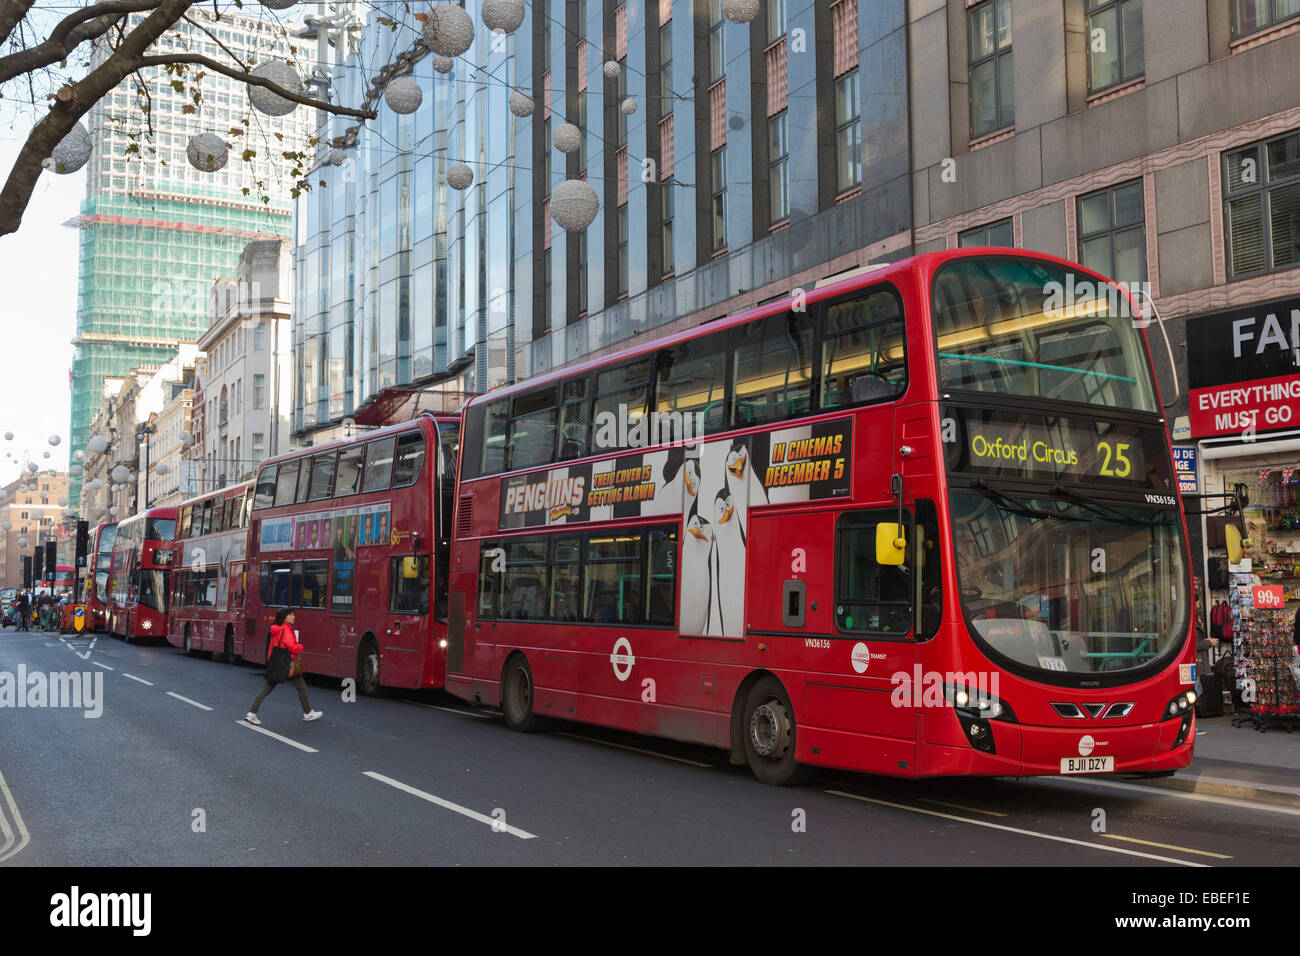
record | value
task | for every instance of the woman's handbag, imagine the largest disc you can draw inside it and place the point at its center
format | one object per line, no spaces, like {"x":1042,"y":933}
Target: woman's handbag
{"x":296,"y":668}
{"x":278,"y":665}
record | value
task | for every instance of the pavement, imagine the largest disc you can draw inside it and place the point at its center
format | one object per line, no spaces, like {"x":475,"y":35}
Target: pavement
{"x":1241,"y":762}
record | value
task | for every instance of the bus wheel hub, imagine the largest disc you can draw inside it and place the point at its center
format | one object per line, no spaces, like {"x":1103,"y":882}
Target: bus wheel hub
{"x":769,"y":729}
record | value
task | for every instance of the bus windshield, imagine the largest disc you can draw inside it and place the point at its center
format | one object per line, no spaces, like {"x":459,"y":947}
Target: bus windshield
{"x":160,"y":529}
{"x":1068,"y":586}
{"x":1024,"y":327}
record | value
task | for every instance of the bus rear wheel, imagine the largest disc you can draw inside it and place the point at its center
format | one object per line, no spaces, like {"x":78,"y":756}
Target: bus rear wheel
{"x":517,"y":696}
{"x":769,"y":732}
{"x":368,"y":665}
{"x":188,"y":645}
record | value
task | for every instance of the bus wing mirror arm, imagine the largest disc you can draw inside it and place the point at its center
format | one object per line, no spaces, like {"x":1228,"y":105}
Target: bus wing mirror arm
{"x":1169,"y":349}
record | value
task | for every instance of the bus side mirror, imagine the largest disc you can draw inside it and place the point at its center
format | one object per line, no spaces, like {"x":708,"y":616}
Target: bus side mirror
{"x":410,"y":569}
{"x":891,"y":544}
{"x":1232,"y":537}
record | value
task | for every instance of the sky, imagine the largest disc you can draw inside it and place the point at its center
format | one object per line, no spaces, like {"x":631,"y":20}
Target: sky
{"x":38,"y":312}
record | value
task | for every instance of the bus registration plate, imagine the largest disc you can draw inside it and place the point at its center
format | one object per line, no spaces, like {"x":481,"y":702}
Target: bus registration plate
{"x":1087,"y":764}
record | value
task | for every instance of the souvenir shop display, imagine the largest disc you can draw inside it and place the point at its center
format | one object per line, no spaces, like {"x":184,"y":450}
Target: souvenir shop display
{"x":1268,"y":672}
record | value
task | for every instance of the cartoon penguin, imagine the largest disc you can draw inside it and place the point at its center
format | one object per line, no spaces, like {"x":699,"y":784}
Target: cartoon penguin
{"x":692,"y":475}
{"x":737,"y":458}
{"x":697,"y":579}
{"x":729,"y":542}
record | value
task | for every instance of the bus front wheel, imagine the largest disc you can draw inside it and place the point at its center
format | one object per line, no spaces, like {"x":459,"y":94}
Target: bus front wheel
{"x":368,"y":668}
{"x":188,"y":645}
{"x":517,"y":696}
{"x":229,"y":648}
{"x":769,"y":731}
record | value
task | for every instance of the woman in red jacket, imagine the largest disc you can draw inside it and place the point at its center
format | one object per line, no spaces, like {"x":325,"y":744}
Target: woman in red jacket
{"x":282,"y":635}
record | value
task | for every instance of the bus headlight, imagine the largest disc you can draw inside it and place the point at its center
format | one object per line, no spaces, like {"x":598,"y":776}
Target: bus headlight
{"x":975,"y":708}
{"x":1180,"y":705}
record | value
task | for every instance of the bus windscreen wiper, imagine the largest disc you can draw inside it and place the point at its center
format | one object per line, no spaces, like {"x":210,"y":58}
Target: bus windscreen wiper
{"x":1097,"y":507}
{"x":1017,"y":505}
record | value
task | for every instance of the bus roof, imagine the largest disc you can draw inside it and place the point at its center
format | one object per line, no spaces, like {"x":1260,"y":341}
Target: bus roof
{"x":309,"y":451}
{"x":230,"y":491}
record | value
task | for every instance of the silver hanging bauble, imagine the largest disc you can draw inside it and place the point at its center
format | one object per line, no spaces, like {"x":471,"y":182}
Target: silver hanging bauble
{"x":574,"y":205}
{"x":97,"y":445}
{"x":459,"y":176}
{"x":740,"y":11}
{"x":336,"y":157}
{"x":521,"y":104}
{"x":502,"y":16}
{"x":120,"y":474}
{"x":282,"y":75}
{"x":207,"y":152}
{"x":443,"y":64}
{"x":76,"y":471}
{"x":71,"y":153}
{"x":567,"y":138}
{"x":628,"y":106}
{"x":448,"y":29}
{"x":55,"y":439}
{"x":403,"y":95}
{"x":612,"y":69}
{"x":162,"y":470}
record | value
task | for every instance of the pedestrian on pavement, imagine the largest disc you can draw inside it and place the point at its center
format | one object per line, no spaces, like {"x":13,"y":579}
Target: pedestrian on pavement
{"x":20,"y":606}
{"x":283,"y":635}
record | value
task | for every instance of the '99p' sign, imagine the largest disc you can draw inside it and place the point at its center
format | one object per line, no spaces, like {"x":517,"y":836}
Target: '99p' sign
{"x":1268,"y":597}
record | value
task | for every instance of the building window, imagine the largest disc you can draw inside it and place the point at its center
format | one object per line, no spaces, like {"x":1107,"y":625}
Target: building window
{"x":1000,"y":233}
{"x":666,"y":197}
{"x":582,"y":272}
{"x":259,"y":446}
{"x":259,"y":337}
{"x":717,"y":50}
{"x":778,"y":173}
{"x":1114,"y":42}
{"x":666,"y":65}
{"x":1262,"y":206}
{"x":622,"y":250}
{"x":775,"y":20}
{"x":991,"y":85}
{"x":621,"y":117}
{"x":259,"y":391}
{"x":1112,"y":232}
{"x":1250,"y":16}
{"x":848,"y":132}
{"x":719,"y":216}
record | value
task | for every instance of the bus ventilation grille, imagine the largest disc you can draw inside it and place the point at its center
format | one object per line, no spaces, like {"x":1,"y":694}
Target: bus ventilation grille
{"x":463,"y":512}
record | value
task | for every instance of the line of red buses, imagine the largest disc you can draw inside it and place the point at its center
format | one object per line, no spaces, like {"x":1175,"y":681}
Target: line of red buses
{"x":920,"y":521}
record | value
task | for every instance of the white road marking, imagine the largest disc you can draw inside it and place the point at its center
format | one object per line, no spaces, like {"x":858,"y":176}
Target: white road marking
{"x":188,"y":701}
{"x":1022,"y":832}
{"x":648,"y":753}
{"x":284,"y":740}
{"x":140,"y":679}
{"x":86,"y":656}
{"x":450,"y":710}
{"x":12,"y":845}
{"x":1186,"y":795}
{"x":454,"y":807}
{"x":98,"y":664}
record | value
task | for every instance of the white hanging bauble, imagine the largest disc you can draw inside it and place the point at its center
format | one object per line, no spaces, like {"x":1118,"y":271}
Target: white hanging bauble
{"x":78,"y":455}
{"x":55,"y":439}
{"x":94,"y":484}
{"x":740,"y":11}
{"x":76,"y":471}
{"x":113,"y":511}
{"x":9,"y":436}
{"x":567,"y":138}
{"x":120,"y":474}
{"x":63,"y":502}
{"x":502,"y":16}
{"x":31,"y":466}
{"x":574,"y":205}
{"x":521,"y":104}
{"x":336,"y":157}
{"x":459,"y":176}
{"x":448,"y":29}
{"x":161,"y":470}
{"x":278,"y":4}
{"x":628,"y":106}
{"x":612,"y":69}
{"x":187,"y":439}
{"x":443,"y":64}
{"x":71,"y":153}
{"x":403,"y":95}
{"x":97,"y":445}
{"x":7,"y":526}
{"x":207,"y":152}
{"x":45,"y":454}
{"x":282,"y":75}
{"x":22,"y":542}
{"x":38,"y":514}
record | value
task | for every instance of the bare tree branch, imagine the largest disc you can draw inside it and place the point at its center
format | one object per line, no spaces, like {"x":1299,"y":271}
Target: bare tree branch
{"x":165,"y":59}
{"x":69,"y":33}
{"x":215,"y":39}
{"x":11,"y":14}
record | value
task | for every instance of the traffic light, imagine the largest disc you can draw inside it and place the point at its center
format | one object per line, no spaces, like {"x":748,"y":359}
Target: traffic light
{"x":83,"y":542}
{"x":51,"y":558}
{"x":27,"y":572}
{"x":38,"y":565}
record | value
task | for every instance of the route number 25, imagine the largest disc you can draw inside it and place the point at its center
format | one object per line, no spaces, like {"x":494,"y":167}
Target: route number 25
{"x":1116,"y":464}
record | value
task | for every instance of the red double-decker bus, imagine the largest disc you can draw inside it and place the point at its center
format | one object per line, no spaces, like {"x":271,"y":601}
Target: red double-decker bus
{"x":920,"y":521}
{"x":207,"y":604}
{"x":97,"y":581}
{"x":355,"y":536}
{"x":139,"y":577}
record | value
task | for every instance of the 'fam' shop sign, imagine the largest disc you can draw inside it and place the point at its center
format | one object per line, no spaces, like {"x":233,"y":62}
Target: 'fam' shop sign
{"x":1243,"y":370}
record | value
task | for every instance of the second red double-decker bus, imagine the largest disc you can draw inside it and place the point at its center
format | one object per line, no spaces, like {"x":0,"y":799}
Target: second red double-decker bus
{"x":922,"y":521}
{"x":354,"y":535}
{"x":207,"y":606}
{"x":139,"y":577}
{"x":101,"y":562}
